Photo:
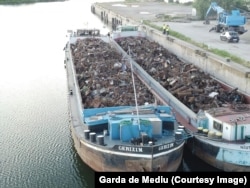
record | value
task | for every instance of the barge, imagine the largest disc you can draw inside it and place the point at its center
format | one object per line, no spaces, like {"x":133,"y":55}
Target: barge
{"x":109,"y":136}
{"x":218,"y":116}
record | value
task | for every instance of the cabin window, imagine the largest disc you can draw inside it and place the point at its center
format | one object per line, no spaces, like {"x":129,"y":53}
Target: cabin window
{"x":217,"y":126}
{"x":168,"y":125}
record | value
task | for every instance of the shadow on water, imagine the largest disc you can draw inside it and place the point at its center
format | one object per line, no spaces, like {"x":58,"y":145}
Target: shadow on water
{"x":86,"y":174}
{"x":191,"y":163}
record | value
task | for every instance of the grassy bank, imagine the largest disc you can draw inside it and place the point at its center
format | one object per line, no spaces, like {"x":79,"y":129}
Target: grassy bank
{"x":18,"y":2}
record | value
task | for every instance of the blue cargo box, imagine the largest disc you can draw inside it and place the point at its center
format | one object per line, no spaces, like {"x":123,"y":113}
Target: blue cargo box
{"x":147,"y":129}
{"x":128,"y":131}
{"x":114,"y":129}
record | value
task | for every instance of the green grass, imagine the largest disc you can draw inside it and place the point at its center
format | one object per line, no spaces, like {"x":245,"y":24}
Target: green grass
{"x":218,"y":52}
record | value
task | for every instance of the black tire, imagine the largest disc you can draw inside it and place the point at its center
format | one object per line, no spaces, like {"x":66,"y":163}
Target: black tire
{"x":218,"y":28}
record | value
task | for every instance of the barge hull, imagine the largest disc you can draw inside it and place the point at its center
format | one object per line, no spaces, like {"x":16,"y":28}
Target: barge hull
{"x":224,"y":159}
{"x":104,"y":160}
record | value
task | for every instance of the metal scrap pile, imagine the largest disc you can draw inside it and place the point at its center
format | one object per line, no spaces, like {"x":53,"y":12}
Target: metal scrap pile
{"x":103,"y":78}
{"x":192,"y":86}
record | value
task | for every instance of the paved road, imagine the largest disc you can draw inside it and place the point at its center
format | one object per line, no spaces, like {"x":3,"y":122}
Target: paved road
{"x":199,"y":32}
{"x":196,"y":30}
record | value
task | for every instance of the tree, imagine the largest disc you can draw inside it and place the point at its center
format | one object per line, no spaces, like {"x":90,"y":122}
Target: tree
{"x":203,"y":5}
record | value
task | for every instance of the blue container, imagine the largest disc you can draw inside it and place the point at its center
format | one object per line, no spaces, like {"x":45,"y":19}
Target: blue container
{"x":129,"y":131}
{"x":114,"y":129}
{"x":147,"y":129}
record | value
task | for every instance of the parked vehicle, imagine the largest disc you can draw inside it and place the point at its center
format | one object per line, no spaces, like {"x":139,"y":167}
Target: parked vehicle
{"x":230,"y":36}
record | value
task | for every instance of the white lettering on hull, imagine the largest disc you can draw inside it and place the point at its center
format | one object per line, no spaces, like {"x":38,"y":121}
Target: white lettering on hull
{"x":130,"y":149}
{"x":166,"y":146}
{"x":133,"y":149}
{"x":245,"y":147}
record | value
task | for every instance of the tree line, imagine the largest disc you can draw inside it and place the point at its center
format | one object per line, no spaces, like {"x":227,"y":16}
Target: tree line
{"x":16,"y":2}
{"x":202,"y":6}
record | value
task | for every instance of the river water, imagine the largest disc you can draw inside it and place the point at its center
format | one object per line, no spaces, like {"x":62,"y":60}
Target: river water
{"x":36,"y":148}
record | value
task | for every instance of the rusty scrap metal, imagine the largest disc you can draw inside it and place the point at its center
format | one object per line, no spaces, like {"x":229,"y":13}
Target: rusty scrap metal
{"x":105,"y":80}
{"x":191,"y":85}
{"x":102,"y":77}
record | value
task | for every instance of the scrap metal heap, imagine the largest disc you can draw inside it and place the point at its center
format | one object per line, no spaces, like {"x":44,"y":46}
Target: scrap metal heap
{"x":192,"y":86}
{"x":103,"y":78}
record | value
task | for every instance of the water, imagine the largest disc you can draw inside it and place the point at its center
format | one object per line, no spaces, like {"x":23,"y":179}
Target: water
{"x":36,"y":148}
